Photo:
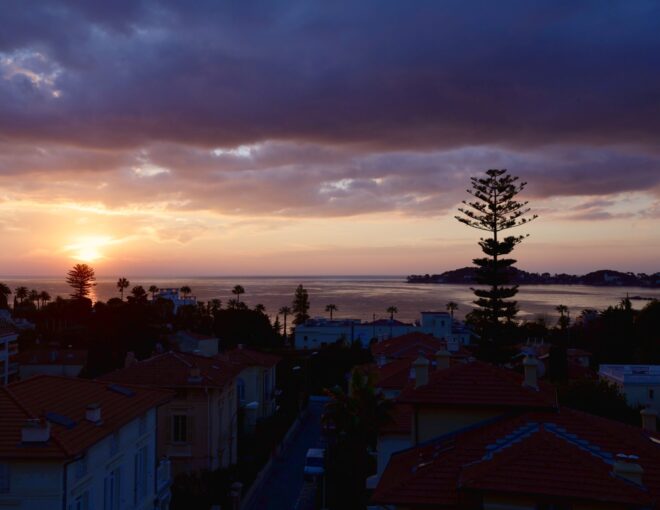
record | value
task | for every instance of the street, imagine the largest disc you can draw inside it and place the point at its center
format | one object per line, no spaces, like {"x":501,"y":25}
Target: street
{"x":284,"y":487}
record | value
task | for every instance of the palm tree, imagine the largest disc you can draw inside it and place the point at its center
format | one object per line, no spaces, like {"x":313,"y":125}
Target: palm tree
{"x":44,"y":297}
{"x":139,"y":294}
{"x":392,"y":310}
{"x":33,"y":296}
{"x":562,"y":309}
{"x":21,"y":293}
{"x":4,"y":294}
{"x":237,"y":291}
{"x":285,"y":311}
{"x":260,"y":308}
{"x":153,"y":289}
{"x":185,"y":290}
{"x":232,"y":304}
{"x":215,"y":304}
{"x":451,"y":308}
{"x":122,"y":284}
{"x":331,"y":308}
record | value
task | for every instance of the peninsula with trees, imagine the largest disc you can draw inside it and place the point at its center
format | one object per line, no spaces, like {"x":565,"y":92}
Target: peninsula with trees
{"x":600,"y":278}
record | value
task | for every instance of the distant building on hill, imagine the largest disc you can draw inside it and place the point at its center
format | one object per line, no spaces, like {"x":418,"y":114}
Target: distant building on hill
{"x":195,"y":343}
{"x":639,"y":383}
{"x":320,"y":331}
{"x":74,"y":444}
{"x":174,"y":295}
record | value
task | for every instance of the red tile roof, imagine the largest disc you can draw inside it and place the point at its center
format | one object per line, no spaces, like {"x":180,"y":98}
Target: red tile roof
{"x":173,"y":370}
{"x":38,"y":396}
{"x":478,"y":383}
{"x":410,"y":344}
{"x":249,"y":357}
{"x":564,"y":454}
{"x":52,"y":357}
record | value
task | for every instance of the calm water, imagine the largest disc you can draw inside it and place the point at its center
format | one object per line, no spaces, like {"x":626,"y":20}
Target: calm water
{"x":360,"y":296}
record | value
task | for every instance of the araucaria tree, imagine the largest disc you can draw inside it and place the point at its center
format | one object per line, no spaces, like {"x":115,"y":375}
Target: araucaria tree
{"x":81,"y":278}
{"x":495,"y":210}
{"x":300,"y":305}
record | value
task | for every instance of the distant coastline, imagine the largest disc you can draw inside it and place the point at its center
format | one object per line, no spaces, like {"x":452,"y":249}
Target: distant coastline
{"x":600,"y":278}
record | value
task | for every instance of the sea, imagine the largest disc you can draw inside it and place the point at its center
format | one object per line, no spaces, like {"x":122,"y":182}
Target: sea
{"x":359,"y":297}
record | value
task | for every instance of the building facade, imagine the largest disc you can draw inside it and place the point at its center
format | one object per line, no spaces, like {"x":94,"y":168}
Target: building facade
{"x":640,"y":384}
{"x":8,"y":353}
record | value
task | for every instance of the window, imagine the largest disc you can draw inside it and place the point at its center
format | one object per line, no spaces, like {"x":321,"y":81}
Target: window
{"x":4,"y":477}
{"x":114,"y":444}
{"x":111,"y":490}
{"x":81,"y":502}
{"x":142,"y":425}
{"x":180,"y":428}
{"x":141,"y":472}
{"x":240,"y":389}
{"x":81,"y":467}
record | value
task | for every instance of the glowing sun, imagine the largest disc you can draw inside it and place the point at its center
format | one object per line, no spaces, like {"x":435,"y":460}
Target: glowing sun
{"x":88,"y":249}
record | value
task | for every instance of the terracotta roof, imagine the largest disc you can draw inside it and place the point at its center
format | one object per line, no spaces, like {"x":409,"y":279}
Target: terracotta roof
{"x":52,"y":357}
{"x":410,"y":344}
{"x":478,"y":383}
{"x":43,"y":395}
{"x":249,"y":357}
{"x":173,"y":370}
{"x":564,"y":454}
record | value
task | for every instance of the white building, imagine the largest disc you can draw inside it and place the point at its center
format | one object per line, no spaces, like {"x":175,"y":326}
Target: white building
{"x":173,"y":294}
{"x":319,"y":331}
{"x":640,"y":384}
{"x":77,"y":444}
{"x":8,"y":353}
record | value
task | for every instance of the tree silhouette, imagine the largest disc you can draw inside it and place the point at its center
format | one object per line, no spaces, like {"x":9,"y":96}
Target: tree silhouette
{"x":300,"y":305}
{"x":331,"y":308}
{"x":4,"y":295}
{"x":138,"y":294}
{"x":563,"y":316}
{"x":21,"y":293}
{"x":33,"y":296}
{"x":392,"y":310}
{"x":122,"y":284}
{"x":495,"y":210}
{"x":153,"y":289}
{"x":285,"y":311}
{"x":44,"y":297}
{"x":237,"y":291}
{"x":451,"y":308}
{"x":260,"y":308}
{"x":185,"y":290}
{"x":81,"y":278}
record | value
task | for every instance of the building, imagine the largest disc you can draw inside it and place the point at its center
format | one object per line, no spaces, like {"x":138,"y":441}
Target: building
{"x":173,"y":294}
{"x":320,"y":331}
{"x":54,"y":361}
{"x":77,"y":444}
{"x":256,"y":382}
{"x":195,"y":343}
{"x":551,"y":459}
{"x":199,"y":426}
{"x":8,"y":353}
{"x":640,"y":384}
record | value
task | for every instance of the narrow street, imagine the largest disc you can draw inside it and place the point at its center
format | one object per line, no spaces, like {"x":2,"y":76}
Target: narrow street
{"x":284,"y":486}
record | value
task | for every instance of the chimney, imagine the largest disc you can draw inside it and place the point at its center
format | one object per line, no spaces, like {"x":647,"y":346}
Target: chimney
{"x":421,"y":367}
{"x":195,"y":375}
{"x":129,"y":359}
{"x":35,"y":431}
{"x":627,"y":468}
{"x":442,"y":359}
{"x":93,"y":413}
{"x":649,"y":420}
{"x":530,"y":365}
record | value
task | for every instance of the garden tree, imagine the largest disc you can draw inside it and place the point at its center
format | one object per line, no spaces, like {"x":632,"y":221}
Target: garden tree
{"x":495,"y":210}
{"x":33,"y":296}
{"x":451,"y":308}
{"x":564,"y":317}
{"x":81,"y":278}
{"x":244,"y":326}
{"x":260,"y":308}
{"x":122,"y":284}
{"x":235,"y":304}
{"x":599,"y":398}
{"x":285,"y":311}
{"x":355,"y":419}
{"x":277,"y":326}
{"x":138,"y":294}
{"x":646,"y":328}
{"x":215,"y":305}
{"x":237,"y":291}
{"x":331,"y":308}
{"x":185,"y":290}
{"x":21,"y":293}
{"x":44,"y":297}
{"x":392,"y":310}
{"x":153,"y":289}
{"x":300,"y":305}
{"x":4,"y":295}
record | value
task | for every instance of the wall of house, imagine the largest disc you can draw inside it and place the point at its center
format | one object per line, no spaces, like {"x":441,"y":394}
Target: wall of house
{"x":389,"y":444}
{"x":86,"y":477}
{"x":26,"y":371}
{"x":645,"y":395}
{"x":436,"y":421}
{"x":33,"y":486}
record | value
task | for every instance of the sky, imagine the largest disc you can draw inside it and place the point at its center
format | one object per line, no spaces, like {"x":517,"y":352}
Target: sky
{"x":315,"y":137}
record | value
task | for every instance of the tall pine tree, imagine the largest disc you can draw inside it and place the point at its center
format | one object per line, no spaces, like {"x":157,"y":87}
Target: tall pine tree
{"x":495,"y":210}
